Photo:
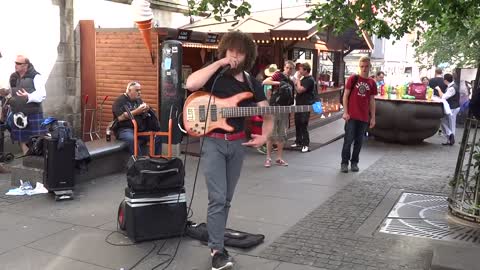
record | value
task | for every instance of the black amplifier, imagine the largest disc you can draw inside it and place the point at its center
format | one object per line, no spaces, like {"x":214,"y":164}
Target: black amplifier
{"x":59,"y":164}
{"x":150,"y":216}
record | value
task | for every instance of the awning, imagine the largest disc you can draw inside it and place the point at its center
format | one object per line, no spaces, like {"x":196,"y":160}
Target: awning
{"x":294,"y":27}
{"x":288,"y":24}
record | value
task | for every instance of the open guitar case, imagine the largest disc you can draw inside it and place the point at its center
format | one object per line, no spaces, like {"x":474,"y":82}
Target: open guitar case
{"x":232,"y":238}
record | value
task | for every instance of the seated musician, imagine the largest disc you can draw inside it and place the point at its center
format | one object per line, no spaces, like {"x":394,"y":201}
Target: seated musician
{"x":141,"y":111}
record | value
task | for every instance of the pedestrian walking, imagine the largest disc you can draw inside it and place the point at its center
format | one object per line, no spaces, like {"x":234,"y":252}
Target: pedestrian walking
{"x":359,"y":111}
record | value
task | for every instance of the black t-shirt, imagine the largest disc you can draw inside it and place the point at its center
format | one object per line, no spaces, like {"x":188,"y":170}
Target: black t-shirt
{"x":227,"y":86}
{"x":118,"y":109}
{"x":307,"y":97}
{"x":437,"y":81}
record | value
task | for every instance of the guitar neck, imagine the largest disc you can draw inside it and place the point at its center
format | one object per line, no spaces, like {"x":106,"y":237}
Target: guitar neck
{"x":232,"y":112}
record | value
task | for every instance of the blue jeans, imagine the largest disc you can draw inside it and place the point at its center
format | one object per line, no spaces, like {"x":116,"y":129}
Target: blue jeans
{"x":354,"y":132}
{"x":126,"y":134}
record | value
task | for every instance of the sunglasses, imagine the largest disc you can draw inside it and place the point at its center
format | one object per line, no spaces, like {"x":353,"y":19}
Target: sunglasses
{"x":19,"y":64}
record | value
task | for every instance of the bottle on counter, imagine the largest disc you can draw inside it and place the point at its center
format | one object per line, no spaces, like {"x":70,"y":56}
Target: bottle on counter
{"x":429,"y":93}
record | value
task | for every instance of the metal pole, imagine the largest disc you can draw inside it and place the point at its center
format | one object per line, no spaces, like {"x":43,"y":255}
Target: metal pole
{"x":281,"y":10}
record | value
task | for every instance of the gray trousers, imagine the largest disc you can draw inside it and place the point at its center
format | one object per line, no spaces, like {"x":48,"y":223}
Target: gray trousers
{"x":449,"y":123}
{"x":222,"y":163}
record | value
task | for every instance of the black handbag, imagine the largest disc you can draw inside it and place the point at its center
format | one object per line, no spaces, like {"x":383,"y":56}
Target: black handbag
{"x":145,"y":174}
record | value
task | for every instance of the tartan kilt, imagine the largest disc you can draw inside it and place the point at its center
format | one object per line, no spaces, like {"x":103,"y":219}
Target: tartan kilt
{"x":34,"y":127}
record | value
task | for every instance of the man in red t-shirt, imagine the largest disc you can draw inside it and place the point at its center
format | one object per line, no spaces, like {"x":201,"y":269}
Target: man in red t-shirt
{"x":359,"y":110}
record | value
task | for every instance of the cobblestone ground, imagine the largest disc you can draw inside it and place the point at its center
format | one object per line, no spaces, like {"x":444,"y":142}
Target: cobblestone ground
{"x":327,"y":237}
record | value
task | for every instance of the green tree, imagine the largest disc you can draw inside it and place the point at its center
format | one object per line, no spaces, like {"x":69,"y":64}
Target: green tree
{"x":219,"y":8}
{"x":434,"y":49}
{"x":454,"y":24}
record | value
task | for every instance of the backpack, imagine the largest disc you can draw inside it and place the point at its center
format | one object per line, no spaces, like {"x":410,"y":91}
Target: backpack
{"x":315,"y":95}
{"x":35,"y":145}
{"x":355,"y":80}
{"x":60,"y":130}
{"x":283,"y":95}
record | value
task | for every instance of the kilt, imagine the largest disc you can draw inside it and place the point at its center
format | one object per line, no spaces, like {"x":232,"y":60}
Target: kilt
{"x":34,"y":127}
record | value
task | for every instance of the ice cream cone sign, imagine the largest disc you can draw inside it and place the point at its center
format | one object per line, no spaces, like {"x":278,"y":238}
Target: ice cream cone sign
{"x":143,"y":16}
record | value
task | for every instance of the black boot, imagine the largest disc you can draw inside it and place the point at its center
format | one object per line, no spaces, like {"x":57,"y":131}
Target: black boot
{"x":451,"y":138}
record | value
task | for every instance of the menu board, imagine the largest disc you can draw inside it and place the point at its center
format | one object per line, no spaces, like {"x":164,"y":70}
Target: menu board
{"x":211,"y":38}
{"x":308,"y":55}
{"x":184,"y":35}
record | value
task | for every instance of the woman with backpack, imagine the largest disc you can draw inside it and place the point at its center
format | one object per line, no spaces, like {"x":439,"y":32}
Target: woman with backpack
{"x":281,"y":95}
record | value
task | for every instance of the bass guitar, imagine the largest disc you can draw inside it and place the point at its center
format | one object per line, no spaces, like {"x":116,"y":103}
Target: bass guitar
{"x":197,"y":121}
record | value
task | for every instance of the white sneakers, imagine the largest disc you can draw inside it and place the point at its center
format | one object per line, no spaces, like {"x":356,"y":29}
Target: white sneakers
{"x":304,"y":148}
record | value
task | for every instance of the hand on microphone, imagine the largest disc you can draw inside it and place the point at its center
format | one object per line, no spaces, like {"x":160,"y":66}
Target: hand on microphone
{"x":228,"y":63}
{"x":224,"y":69}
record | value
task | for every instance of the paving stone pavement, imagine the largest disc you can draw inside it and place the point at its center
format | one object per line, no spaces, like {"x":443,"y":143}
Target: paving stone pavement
{"x":327,"y":237}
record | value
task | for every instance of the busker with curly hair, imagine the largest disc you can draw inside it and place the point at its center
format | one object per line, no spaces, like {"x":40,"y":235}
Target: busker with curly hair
{"x":223,"y":153}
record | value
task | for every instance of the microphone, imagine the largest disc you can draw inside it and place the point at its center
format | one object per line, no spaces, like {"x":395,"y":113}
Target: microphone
{"x":224,"y":69}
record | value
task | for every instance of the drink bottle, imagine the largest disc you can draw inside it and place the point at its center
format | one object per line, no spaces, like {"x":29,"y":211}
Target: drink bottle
{"x":108,"y":134}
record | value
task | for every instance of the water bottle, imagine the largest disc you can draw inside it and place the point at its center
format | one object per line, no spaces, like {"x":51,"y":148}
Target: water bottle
{"x":108,"y":134}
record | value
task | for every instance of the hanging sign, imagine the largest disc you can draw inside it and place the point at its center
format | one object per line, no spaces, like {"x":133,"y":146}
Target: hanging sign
{"x":184,"y":35}
{"x":211,"y":38}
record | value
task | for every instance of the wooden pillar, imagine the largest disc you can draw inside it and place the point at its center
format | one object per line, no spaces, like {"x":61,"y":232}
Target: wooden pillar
{"x":338,"y":75}
{"x":277,"y":47}
{"x":87,"y":67}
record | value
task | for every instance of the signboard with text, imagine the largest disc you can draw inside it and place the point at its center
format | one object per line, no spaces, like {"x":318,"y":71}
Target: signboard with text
{"x":211,"y":38}
{"x":184,"y":35}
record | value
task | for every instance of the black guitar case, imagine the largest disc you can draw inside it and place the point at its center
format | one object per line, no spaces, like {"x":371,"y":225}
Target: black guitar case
{"x":233,"y":238}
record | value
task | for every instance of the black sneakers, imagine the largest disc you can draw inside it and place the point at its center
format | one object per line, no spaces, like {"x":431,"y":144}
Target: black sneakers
{"x":222,"y":261}
{"x":344,"y":168}
{"x":354,"y":167}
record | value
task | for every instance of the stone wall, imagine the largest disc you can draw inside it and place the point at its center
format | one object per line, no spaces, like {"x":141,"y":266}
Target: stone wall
{"x":63,"y":84}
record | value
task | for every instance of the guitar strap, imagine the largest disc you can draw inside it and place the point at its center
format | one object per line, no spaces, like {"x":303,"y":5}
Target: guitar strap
{"x":248,"y":78}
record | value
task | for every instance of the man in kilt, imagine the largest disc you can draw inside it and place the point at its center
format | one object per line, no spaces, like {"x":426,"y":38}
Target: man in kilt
{"x":28,"y":91}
